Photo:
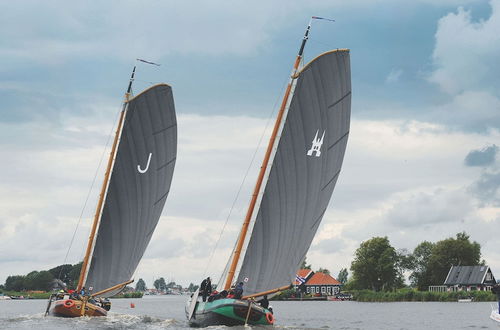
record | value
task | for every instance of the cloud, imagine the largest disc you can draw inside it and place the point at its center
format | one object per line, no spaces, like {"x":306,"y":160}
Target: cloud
{"x":487,"y":188}
{"x":483,"y":157}
{"x":466,"y":69}
{"x":466,"y":52}
{"x":431,"y":208}
{"x":394,"y":75}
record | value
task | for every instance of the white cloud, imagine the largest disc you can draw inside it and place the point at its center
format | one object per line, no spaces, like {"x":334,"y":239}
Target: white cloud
{"x":466,"y":52}
{"x":394,"y":75}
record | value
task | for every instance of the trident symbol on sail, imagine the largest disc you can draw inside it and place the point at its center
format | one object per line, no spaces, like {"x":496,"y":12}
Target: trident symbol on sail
{"x":316,"y":145}
{"x":147,"y":165}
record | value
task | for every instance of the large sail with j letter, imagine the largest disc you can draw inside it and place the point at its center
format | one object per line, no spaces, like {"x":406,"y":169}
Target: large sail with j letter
{"x":138,"y":187}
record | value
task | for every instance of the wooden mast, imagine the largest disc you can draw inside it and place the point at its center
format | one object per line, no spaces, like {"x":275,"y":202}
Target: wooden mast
{"x":98,"y":212}
{"x":265,"y":162}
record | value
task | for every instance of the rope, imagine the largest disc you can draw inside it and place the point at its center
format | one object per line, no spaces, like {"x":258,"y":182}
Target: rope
{"x":270,"y":116}
{"x":88,"y":194}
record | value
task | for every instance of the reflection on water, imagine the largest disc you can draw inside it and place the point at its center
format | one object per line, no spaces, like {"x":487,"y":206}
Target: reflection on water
{"x":167,"y":312}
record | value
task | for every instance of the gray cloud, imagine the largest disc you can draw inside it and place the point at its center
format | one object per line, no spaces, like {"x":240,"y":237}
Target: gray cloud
{"x":487,"y":188}
{"x":330,"y":245}
{"x":482,"y":157}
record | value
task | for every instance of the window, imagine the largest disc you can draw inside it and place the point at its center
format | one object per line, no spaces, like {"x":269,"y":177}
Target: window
{"x":317,"y":289}
{"x":307,"y":289}
{"x":323,"y":289}
{"x":329,"y":290}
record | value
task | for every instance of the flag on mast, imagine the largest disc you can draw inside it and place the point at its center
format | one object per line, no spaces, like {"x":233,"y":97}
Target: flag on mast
{"x":326,"y":19}
{"x":148,"y":62}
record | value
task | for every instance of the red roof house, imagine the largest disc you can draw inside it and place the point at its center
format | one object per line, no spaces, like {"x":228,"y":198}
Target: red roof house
{"x":316,"y":283}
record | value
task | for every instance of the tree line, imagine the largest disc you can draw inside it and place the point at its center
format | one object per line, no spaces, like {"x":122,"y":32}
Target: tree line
{"x":378,"y":266}
{"x":162,"y":286}
{"x":44,"y":280}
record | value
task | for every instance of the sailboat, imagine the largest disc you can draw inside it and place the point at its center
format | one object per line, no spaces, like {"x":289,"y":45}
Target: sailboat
{"x":298,"y":174}
{"x":136,"y":185}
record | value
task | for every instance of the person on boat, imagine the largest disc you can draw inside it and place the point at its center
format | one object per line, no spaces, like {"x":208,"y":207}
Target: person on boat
{"x":82,"y":292}
{"x":264,"y":302}
{"x":205,"y":288}
{"x":238,"y":291}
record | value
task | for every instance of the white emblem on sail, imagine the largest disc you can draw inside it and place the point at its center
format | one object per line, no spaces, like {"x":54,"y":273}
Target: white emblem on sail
{"x":142,"y":171}
{"x":316,"y":145}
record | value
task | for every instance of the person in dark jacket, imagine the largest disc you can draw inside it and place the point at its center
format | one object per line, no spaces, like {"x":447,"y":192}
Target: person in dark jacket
{"x":238,"y":291}
{"x":264,"y":302}
{"x":204,"y":288}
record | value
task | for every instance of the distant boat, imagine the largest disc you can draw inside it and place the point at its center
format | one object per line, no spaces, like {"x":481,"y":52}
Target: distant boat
{"x":135,"y":187}
{"x":297,"y":177}
{"x":465,"y":300}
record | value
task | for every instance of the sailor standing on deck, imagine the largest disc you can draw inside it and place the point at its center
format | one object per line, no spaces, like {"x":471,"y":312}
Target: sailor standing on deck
{"x":205,"y":288}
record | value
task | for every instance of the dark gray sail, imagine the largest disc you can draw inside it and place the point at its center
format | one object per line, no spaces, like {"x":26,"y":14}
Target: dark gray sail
{"x":303,"y":174}
{"x":139,"y":185}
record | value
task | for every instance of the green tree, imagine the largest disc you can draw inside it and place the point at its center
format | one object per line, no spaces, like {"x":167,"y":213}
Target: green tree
{"x":62,"y":272}
{"x":160,"y":284}
{"x":74,"y":275}
{"x":323,"y":270}
{"x":342,"y":277}
{"x":419,"y":265}
{"x":304,"y":265}
{"x":452,"y":252}
{"x":140,"y":285}
{"x":375,"y":265}
{"x":14,"y":283}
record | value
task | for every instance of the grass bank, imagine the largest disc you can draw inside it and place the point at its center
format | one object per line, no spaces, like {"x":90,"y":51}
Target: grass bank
{"x":414,"y":295}
{"x":130,"y":295}
{"x":25,"y":294}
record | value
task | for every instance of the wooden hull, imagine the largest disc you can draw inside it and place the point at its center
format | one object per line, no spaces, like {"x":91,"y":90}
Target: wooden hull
{"x":73,"y":308}
{"x":229,"y":312}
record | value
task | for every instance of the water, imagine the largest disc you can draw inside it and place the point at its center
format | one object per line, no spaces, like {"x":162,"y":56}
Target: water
{"x":167,"y":312}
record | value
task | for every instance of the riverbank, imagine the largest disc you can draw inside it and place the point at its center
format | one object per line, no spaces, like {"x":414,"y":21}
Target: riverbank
{"x":46,"y":295}
{"x":415,"y":295}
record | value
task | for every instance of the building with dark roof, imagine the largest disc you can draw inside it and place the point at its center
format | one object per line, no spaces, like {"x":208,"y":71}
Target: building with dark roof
{"x":469,"y":278}
{"x":313,"y":283}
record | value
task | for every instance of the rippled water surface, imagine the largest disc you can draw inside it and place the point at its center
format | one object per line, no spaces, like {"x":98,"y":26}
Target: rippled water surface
{"x":167,"y":312}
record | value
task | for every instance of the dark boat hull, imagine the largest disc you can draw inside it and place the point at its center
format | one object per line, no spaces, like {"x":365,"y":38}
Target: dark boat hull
{"x":230,"y":312}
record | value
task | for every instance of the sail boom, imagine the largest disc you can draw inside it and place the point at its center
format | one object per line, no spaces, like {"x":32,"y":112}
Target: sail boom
{"x":114,"y":287}
{"x":264,"y":293}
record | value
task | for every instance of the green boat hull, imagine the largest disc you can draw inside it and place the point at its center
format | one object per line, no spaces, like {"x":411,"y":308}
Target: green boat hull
{"x":230,"y":312}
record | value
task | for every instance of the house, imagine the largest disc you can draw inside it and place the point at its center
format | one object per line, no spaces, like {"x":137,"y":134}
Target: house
{"x":469,"y":278}
{"x":318,"y":283}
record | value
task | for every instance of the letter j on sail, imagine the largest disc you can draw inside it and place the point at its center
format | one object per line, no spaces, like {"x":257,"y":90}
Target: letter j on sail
{"x":316,"y":145}
{"x":142,"y":171}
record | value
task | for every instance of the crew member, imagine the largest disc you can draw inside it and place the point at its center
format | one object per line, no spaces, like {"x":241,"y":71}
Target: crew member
{"x":264,"y":302}
{"x":238,"y":291}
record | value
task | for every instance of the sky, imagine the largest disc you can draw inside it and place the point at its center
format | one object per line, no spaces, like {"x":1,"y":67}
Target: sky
{"x":422,"y":160}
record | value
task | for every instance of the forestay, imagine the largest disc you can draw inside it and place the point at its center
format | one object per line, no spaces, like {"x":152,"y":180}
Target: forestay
{"x":303,"y":174}
{"x":139,"y":185}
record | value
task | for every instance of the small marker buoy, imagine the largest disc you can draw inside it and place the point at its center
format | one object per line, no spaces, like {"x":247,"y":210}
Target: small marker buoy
{"x":132,"y":305}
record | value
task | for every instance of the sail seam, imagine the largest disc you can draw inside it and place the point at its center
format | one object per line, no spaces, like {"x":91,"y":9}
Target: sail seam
{"x":162,"y":197}
{"x":318,"y":219}
{"x":340,"y":139}
{"x":164,"y":129}
{"x":166,"y":164}
{"x":338,"y":101}
{"x":326,"y":185}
